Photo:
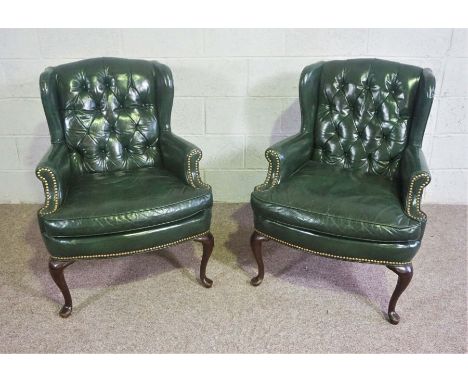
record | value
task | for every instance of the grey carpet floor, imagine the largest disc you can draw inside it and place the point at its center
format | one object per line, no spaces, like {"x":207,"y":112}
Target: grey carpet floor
{"x":306,"y":304}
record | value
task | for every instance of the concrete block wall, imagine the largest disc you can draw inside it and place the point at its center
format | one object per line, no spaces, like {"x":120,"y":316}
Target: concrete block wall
{"x":236,"y":92}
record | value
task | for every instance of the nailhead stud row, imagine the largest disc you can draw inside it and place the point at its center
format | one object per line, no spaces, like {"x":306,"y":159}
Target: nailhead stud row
{"x":129,"y":252}
{"x":197,"y":169}
{"x":277,"y":169}
{"x":270,"y":171}
{"x":45,"y":183}
{"x":324,"y":254}
{"x":267,"y":179}
{"x":418,"y":196}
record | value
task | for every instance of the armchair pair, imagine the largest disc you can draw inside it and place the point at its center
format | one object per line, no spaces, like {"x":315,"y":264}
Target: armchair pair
{"x":348,"y":186}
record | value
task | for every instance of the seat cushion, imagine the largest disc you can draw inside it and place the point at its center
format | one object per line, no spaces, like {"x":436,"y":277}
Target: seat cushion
{"x":338,"y":202}
{"x":124,"y":201}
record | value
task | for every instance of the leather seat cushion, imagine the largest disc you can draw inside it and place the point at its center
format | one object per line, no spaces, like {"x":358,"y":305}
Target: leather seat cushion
{"x":340,"y":203}
{"x":121,"y":201}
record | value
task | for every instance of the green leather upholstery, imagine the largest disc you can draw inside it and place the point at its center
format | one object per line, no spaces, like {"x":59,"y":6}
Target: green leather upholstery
{"x":363,"y":113}
{"x":153,"y":196}
{"x":345,"y":204}
{"x":128,"y":243}
{"x":117,"y":181}
{"x":349,"y":185}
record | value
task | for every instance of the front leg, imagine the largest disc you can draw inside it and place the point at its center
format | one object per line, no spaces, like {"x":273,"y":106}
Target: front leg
{"x":256,"y":245}
{"x":56,"y":269}
{"x":207,"y":241}
{"x":405,"y":274}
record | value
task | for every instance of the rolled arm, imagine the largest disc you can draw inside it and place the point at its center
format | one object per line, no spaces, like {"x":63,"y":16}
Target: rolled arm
{"x":285,"y":157}
{"x":414,"y":175}
{"x":54,"y":172}
{"x":182,"y":158}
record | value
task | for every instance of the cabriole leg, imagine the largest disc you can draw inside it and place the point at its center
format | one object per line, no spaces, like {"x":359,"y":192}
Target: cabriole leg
{"x":56,"y":268}
{"x":256,"y":245}
{"x":207,"y":241}
{"x":405,"y":274}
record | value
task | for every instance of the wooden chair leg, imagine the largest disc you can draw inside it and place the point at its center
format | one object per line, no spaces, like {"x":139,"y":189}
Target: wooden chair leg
{"x":207,"y":241}
{"x":405,"y":274}
{"x":56,"y":269}
{"x":256,"y":244}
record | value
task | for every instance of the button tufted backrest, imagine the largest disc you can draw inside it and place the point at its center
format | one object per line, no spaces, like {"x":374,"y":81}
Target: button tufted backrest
{"x":364,"y":114}
{"x":107,"y":111}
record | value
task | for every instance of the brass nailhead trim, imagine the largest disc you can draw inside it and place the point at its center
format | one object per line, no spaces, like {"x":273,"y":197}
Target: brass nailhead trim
{"x":328,"y":254}
{"x":48,"y":197}
{"x":128,"y":252}
{"x":418,"y":196}
{"x":270,"y":170}
{"x":277,"y":169}
{"x":197,"y":169}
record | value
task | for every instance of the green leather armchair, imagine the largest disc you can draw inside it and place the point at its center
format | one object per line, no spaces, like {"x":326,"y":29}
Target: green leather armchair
{"x":117,"y":181}
{"x":348,"y":186}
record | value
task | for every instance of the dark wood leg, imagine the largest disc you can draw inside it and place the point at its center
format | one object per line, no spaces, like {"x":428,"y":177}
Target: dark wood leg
{"x":405,"y":274}
{"x":256,"y":245}
{"x":208,"y":244}
{"x":56,"y":269}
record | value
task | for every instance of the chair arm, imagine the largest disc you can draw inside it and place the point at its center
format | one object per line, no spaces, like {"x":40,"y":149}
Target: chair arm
{"x":414,"y":176}
{"x":182,"y":158}
{"x":54,"y":172}
{"x":285,"y":157}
